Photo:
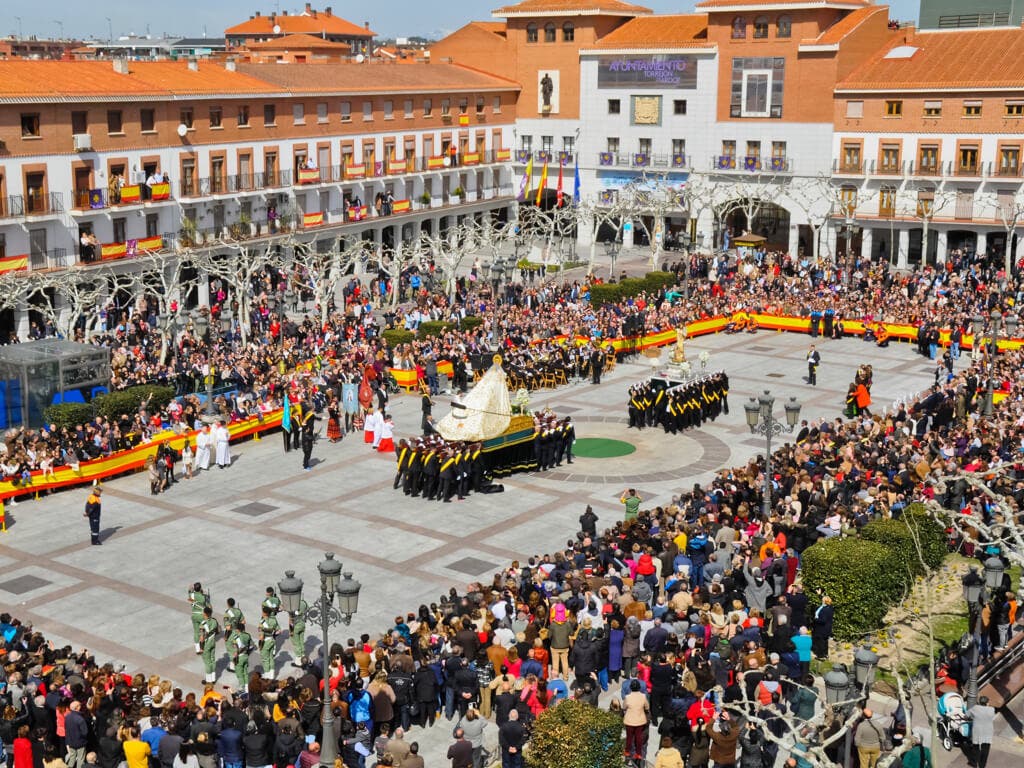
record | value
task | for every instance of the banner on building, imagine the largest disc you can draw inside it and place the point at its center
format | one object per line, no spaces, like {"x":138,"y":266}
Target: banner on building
{"x":647,"y":71}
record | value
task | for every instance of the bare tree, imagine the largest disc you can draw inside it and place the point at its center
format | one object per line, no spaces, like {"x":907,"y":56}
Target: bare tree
{"x":324,"y":272}
{"x":162,"y":274}
{"x":80,"y":293}
{"x":699,"y":195}
{"x":595,"y":214}
{"x":652,"y":197}
{"x":1009,"y":209}
{"x":447,"y":249}
{"x":818,"y":198}
{"x":237,"y":263}
{"x":751,"y":194}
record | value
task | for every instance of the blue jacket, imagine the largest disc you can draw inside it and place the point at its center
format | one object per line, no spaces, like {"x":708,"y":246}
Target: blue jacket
{"x":229,"y":745}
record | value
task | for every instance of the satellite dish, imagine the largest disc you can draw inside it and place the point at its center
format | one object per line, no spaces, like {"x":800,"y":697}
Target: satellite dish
{"x":277,"y":29}
{"x":360,"y":58}
{"x":182,"y":130}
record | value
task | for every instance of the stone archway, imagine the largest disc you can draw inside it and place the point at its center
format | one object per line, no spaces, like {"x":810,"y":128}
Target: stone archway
{"x":770,"y":220}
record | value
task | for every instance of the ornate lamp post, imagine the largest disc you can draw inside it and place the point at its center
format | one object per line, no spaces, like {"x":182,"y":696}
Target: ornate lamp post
{"x":761,"y":420}
{"x":612,"y":248}
{"x":973,"y":585}
{"x":327,"y":615}
{"x":865,"y":665}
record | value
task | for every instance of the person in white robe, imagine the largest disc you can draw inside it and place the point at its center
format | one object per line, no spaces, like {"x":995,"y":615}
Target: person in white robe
{"x":203,"y":440}
{"x":222,"y":439}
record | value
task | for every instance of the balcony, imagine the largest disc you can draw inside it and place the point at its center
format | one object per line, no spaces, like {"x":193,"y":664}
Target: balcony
{"x":55,"y":258}
{"x":925,"y":169}
{"x":889,"y":169}
{"x":973,"y":170}
{"x":852,"y":167}
{"x":98,"y":199}
{"x":750,"y":164}
{"x":1008,"y":171}
{"x":12,"y":206}
{"x":40,"y":204}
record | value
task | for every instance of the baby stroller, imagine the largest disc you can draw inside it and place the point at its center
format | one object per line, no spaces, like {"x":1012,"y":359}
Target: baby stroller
{"x":954,"y":727}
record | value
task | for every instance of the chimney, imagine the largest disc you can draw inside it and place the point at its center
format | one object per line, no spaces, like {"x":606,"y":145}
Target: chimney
{"x":327,"y":11}
{"x":121,"y":66}
{"x":229,"y":65}
{"x":309,"y":7}
{"x":314,"y":13}
{"x":193,"y":65}
{"x":284,"y":13}
{"x":258,"y":14}
{"x":366,"y":25}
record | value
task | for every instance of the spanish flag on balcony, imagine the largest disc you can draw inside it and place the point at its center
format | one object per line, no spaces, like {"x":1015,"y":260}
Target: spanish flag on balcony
{"x":149,"y":244}
{"x":471,"y":158}
{"x":309,"y":176}
{"x":401,"y":206}
{"x":161,"y":191}
{"x":14,"y":264}
{"x":313,"y":219}
{"x":355,"y":171}
{"x":132,"y":194}
{"x":434,"y":163}
{"x":111,"y":251}
{"x":463,"y":119}
{"x":503,"y":155}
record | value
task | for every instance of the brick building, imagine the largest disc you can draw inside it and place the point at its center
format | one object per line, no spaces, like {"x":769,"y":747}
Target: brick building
{"x":245,"y":149}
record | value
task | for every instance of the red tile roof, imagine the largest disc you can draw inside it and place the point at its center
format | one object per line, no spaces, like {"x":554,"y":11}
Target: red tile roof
{"x":348,"y":77}
{"x":298,"y":42}
{"x":661,"y":31}
{"x":570,"y":7}
{"x":724,"y":4}
{"x":846,"y":25}
{"x":494,"y":27}
{"x":303,"y":23}
{"x":967,"y":58}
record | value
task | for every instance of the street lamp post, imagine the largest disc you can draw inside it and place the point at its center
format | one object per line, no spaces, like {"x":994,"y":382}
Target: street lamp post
{"x":973,"y":585}
{"x":327,"y":615}
{"x":837,"y":694}
{"x":761,"y":420}
{"x":612,"y":247}
{"x":997,"y":323}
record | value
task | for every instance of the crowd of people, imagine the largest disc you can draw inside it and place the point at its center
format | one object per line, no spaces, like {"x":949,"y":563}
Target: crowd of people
{"x":692,"y":611}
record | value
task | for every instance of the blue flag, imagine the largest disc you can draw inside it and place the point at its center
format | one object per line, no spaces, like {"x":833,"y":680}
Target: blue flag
{"x":576,"y":183}
{"x":286,"y":420}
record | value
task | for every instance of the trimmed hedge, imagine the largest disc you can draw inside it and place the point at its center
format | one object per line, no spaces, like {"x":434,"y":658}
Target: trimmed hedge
{"x":575,"y":735}
{"x":126,"y":402}
{"x":433,"y":328}
{"x":68,"y":414}
{"x":653,"y":283}
{"x":396,"y":337}
{"x":862,"y":577}
{"x":471,"y":323}
{"x":898,"y":536}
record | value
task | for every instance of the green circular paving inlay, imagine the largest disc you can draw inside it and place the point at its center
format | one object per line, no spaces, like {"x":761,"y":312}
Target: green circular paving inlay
{"x":600,"y":448}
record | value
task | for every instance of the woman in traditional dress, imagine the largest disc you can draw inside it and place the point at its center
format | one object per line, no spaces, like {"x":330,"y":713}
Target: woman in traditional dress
{"x":334,"y":433}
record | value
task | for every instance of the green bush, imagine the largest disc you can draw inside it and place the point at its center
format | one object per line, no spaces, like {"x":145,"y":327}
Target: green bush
{"x":433,"y":328}
{"x":395,"y":337}
{"x":898,"y":536}
{"x":471,"y":323}
{"x":657,"y":282}
{"x":126,"y":402}
{"x":863,"y":578}
{"x":68,"y":414}
{"x":653,"y":282}
{"x":575,"y":735}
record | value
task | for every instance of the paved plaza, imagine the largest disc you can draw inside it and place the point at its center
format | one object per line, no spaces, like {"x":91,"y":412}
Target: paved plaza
{"x":237,"y":530}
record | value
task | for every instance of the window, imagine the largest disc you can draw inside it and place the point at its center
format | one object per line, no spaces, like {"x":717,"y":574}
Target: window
{"x":933,"y":109}
{"x":894,"y":108}
{"x":299,"y":114}
{"x":216,"y":117}
{"x":463,"y":106}
{"x":887,"y":201}
{"x":614,"y":106}
{"x":243,"y":116}
{"x":321,"y":112}
{"x":754,"y":150}
{"x":79,"y":122}
{"x":679,"y":147}
{"x":756,"y":86}
{"x":761,"y":28}
{"x":612,"y":143}
{"x":644,"y":146}
{"x":389,"y":110}
{"x":928,"y":158}
{"x":851,"y":157}
{"x":549,"y":33}
{"x":346,"y":111}
{"x":848,"y":198}
{"x":739,"y":28}
{"x":367,"y":111}
{"x":120,"y":230}
{"x":147,"y":120}
{"x":784,"y":27}
{"x":968,"y":158}
{"x":728,"y":148}
{"x":531,"y":33}
{"x":1014,"y":109}
{"x":496,"y":105}
{"x":269,"y":115}
{"x":428,"y":108}
{"x":679,"y":107}
{"x":446,"y":108}
{"x":188,"y":177}
{"x":925,"y":203}
{"x":408,"y":108}
{"x":547,"y":143}
{"x":30,"y":125}
{"x":479,"y":105}
{"x":890,"y":162}
{"x":855,"y":109}
{"x":115,"y":121}
{"x":568,"y":32}
{"x":526,"y":143}
{"x":569,"y":144}
{"x":972,"y":109}
{"x":152,"y":224}
{"x":1009,"y":161}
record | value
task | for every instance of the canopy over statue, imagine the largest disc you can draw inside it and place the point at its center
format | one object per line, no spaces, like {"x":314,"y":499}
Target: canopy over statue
{"x":485,"y":412}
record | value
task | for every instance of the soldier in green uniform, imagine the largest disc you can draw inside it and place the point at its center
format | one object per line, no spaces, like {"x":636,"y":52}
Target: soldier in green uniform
{"x":271,"y":601}
{"x":232,"y":615}
{"x":268,"y":645}
{"x":208,"y":631}
{"x":297,"y":632}
{"x":239,"y":649}
{"x":197,"y":600}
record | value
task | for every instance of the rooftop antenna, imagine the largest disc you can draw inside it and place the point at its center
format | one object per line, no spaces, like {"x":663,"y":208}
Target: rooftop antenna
{"x":21,"y":34}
